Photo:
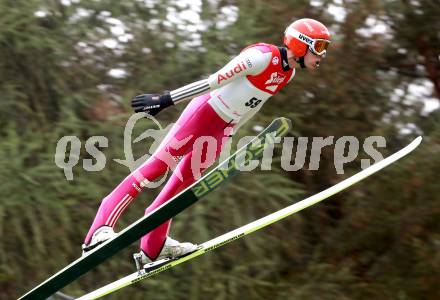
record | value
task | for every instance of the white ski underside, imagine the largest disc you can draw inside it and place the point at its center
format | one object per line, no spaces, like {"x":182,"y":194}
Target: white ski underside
{"x":256,"y":225}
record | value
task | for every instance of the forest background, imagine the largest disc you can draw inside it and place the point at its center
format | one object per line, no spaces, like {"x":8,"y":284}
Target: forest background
{"x":70,"y":68}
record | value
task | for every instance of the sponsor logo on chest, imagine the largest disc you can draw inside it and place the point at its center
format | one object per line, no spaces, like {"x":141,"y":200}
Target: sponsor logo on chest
{"x":275,"y":79}
{"x":240,"y":67}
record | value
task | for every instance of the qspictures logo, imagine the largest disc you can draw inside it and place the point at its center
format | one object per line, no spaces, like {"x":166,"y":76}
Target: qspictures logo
{"x":296,"y":152}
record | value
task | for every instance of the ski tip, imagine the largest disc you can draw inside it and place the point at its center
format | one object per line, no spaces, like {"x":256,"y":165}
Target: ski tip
{"x":416,"y":142}
{"x":288,"y":122}
{"x":282,"y":122}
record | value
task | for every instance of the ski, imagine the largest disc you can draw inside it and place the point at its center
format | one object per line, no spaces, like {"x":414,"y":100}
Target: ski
{"x":165,"y":264}
{"x":224,"y":171}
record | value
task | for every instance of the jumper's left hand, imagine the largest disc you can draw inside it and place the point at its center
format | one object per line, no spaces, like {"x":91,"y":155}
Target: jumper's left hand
{"x":151,"y":103}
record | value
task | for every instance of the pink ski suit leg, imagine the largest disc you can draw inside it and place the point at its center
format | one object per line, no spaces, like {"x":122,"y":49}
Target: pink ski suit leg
{"x":152,"y":243}
{"x":198,"y":119}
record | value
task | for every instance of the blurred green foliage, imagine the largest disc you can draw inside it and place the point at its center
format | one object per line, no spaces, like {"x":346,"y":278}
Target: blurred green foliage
{"x":379,"y":240}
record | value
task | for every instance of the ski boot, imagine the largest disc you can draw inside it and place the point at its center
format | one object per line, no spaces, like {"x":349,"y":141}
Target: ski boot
{"x":101,"y":235}
{"x":172,"y":249}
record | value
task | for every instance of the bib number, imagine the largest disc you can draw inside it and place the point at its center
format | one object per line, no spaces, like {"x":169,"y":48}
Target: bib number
{"x":252,"y":103}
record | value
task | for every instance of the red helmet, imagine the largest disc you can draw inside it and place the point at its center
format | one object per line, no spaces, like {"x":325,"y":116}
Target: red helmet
{"x":307,"y":33}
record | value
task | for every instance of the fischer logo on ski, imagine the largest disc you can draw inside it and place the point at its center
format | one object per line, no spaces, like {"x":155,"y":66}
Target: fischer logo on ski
{"x":255,"y":149}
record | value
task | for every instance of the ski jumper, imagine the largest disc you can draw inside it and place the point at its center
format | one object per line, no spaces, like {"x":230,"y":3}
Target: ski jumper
{"x":222,"y":103}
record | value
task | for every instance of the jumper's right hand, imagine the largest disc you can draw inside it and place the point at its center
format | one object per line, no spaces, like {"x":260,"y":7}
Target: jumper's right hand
{"x":151,"y":103}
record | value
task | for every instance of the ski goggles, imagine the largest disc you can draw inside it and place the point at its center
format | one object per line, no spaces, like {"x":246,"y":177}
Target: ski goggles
{"x":317,"y":46}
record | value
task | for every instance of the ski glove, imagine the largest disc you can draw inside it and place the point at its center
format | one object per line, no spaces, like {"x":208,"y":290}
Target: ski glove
{"x":151,"y":103}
